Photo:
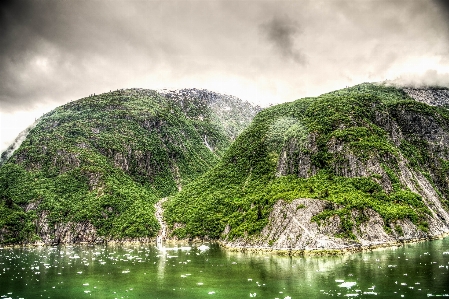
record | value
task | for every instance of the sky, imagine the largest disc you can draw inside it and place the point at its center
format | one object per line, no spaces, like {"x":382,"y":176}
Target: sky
{"x":265,"y":52}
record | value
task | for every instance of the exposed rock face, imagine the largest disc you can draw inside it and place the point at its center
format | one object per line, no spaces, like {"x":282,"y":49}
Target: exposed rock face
{"x":291,"y":228}
{"x":295,"y":160}
{"x":66,"y":233}
{"x":432,"y":96}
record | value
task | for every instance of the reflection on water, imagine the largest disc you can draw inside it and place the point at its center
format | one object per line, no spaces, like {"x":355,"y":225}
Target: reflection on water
{"x":143,"y":271}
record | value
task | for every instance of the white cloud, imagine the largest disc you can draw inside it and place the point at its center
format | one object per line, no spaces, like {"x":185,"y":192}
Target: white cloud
{"x":58,"y":51}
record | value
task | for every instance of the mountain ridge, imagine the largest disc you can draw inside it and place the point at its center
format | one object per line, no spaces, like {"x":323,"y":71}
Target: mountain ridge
{"x":358,"y":167}
{"x":92,"y":169}
{"x":369,"y":154}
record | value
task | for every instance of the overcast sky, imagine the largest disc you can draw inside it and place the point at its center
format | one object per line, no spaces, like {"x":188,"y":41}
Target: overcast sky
{"x":52,"y":52}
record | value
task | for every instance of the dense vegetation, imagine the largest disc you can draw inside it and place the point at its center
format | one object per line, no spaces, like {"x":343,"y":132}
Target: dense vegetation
{"x":107,"y":159}
{"x":319,"y":148}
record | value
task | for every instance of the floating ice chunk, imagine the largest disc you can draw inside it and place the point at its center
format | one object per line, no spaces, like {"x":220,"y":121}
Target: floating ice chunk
{"x":203,"y":247}
{"x":348,"y":284}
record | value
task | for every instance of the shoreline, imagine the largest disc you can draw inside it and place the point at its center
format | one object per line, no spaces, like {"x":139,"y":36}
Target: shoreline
{"x":245,"y":249}
{"x":327,"y":251}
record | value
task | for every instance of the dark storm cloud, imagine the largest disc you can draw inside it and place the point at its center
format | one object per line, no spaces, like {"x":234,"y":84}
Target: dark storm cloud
{"x":55,"y":51}
{"x":283,"y":32}
{"x":59,"y":50}
{"x":443,"y":5}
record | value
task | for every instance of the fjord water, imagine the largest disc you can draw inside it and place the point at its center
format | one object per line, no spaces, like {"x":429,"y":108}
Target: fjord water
{"x":143,"y":271}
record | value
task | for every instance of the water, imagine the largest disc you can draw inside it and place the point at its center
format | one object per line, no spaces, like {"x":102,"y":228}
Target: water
{"x":413,"y":271}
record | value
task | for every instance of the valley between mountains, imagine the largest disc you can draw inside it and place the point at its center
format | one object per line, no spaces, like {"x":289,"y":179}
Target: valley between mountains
{"x":358,"y":167}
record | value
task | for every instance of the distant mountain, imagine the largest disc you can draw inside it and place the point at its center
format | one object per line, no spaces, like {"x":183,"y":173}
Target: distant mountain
{"x":361,"y":166}
{"x":92,"y":170}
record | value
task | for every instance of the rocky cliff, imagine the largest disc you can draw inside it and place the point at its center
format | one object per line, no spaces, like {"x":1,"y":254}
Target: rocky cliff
{"x":362,"y":166}
{"x":92,"y":170}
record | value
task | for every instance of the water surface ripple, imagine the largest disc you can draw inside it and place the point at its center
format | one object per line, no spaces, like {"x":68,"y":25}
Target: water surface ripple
{"x":143,"y":271}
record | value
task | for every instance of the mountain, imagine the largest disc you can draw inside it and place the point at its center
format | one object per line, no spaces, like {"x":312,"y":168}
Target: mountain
{"x":361,"y":166}
{"x":92,"y":170}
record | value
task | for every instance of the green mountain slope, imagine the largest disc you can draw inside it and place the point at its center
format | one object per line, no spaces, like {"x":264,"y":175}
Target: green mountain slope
{"x":92,"y":169}
{"x":369,"y":152}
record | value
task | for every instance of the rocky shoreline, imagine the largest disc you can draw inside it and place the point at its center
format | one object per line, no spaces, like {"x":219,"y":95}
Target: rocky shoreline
{"x":296,"y":252}
{"x":326,"y":251}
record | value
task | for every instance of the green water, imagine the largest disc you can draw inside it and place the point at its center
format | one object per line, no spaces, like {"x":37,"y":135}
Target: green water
{"x":413,"y":271}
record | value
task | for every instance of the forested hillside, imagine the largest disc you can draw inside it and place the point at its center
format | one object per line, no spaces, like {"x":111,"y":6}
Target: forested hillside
{"x":91,"y":170}
{"x":373,"y":157}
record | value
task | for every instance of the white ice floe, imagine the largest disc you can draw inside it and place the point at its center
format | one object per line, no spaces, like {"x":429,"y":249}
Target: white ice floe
{"x":203,"y":247}
{"x":347,"y":284}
